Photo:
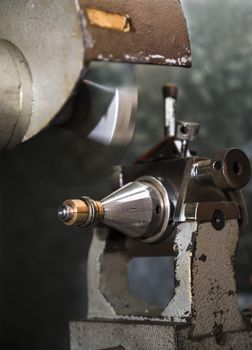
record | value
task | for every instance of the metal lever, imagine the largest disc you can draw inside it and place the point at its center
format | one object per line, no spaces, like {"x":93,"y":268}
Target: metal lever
{"x":170,"y":92}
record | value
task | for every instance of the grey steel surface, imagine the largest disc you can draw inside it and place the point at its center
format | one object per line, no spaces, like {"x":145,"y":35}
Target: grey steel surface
{"x":180,"y":307}
{"x":15,"y":95}
{"x":49,"y":36}
{"x":234,"y":341}
{"x":102,"y":335}
{"x":214,"y":288}
{"x":203,"y":314}
{"x":105,"y":335}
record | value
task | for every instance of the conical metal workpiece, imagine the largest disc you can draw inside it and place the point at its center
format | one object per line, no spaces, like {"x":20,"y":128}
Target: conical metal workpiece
{"x":140,"y":209}
{"x":134,"y":209}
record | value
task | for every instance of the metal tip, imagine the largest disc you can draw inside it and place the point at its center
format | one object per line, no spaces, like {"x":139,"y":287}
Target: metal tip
{"x":80,"y":212}
{"x":64,"y":212}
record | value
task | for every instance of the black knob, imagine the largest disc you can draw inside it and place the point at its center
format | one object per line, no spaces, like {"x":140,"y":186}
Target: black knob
{"x":170,"y":90}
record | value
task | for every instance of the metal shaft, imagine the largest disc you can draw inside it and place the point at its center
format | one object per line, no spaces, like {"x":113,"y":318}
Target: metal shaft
{"x":228,"y":169}
{"x":170,"y":92}
{"x":81,"y":212}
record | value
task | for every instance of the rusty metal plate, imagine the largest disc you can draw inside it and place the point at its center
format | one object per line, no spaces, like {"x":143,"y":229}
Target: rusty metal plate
{"x":137,"y":31}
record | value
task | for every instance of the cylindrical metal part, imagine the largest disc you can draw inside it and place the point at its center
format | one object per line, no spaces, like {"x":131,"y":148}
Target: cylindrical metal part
{"x":170,"y":92}
{"x":228,"y":170}
{"x":45,"y":47}
{"x":202,"y":172}
{"x":80,"y":212}
{"x":15,"y":95}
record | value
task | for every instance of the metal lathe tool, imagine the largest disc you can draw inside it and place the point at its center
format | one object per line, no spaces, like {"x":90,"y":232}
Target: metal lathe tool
{"x":169,"y":203}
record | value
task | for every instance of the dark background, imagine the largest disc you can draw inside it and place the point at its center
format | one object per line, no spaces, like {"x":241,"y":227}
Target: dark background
{"x":42,"y":262}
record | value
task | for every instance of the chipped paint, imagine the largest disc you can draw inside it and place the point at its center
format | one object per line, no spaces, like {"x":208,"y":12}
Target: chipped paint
{"x":157,"y":56}
{"x":184,"y":60}
{"x":180,"y":307}
{"x":170,"y":61}
{"x":181,"y":61}
{"x":97,"y":303}
{"x":108,"y":20}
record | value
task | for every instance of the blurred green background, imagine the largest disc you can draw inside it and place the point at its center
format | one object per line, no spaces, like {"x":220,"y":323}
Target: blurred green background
{"x":43,"y":263}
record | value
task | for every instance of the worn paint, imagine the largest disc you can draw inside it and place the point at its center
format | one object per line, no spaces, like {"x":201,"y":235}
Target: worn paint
{"x":108,"y":20}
